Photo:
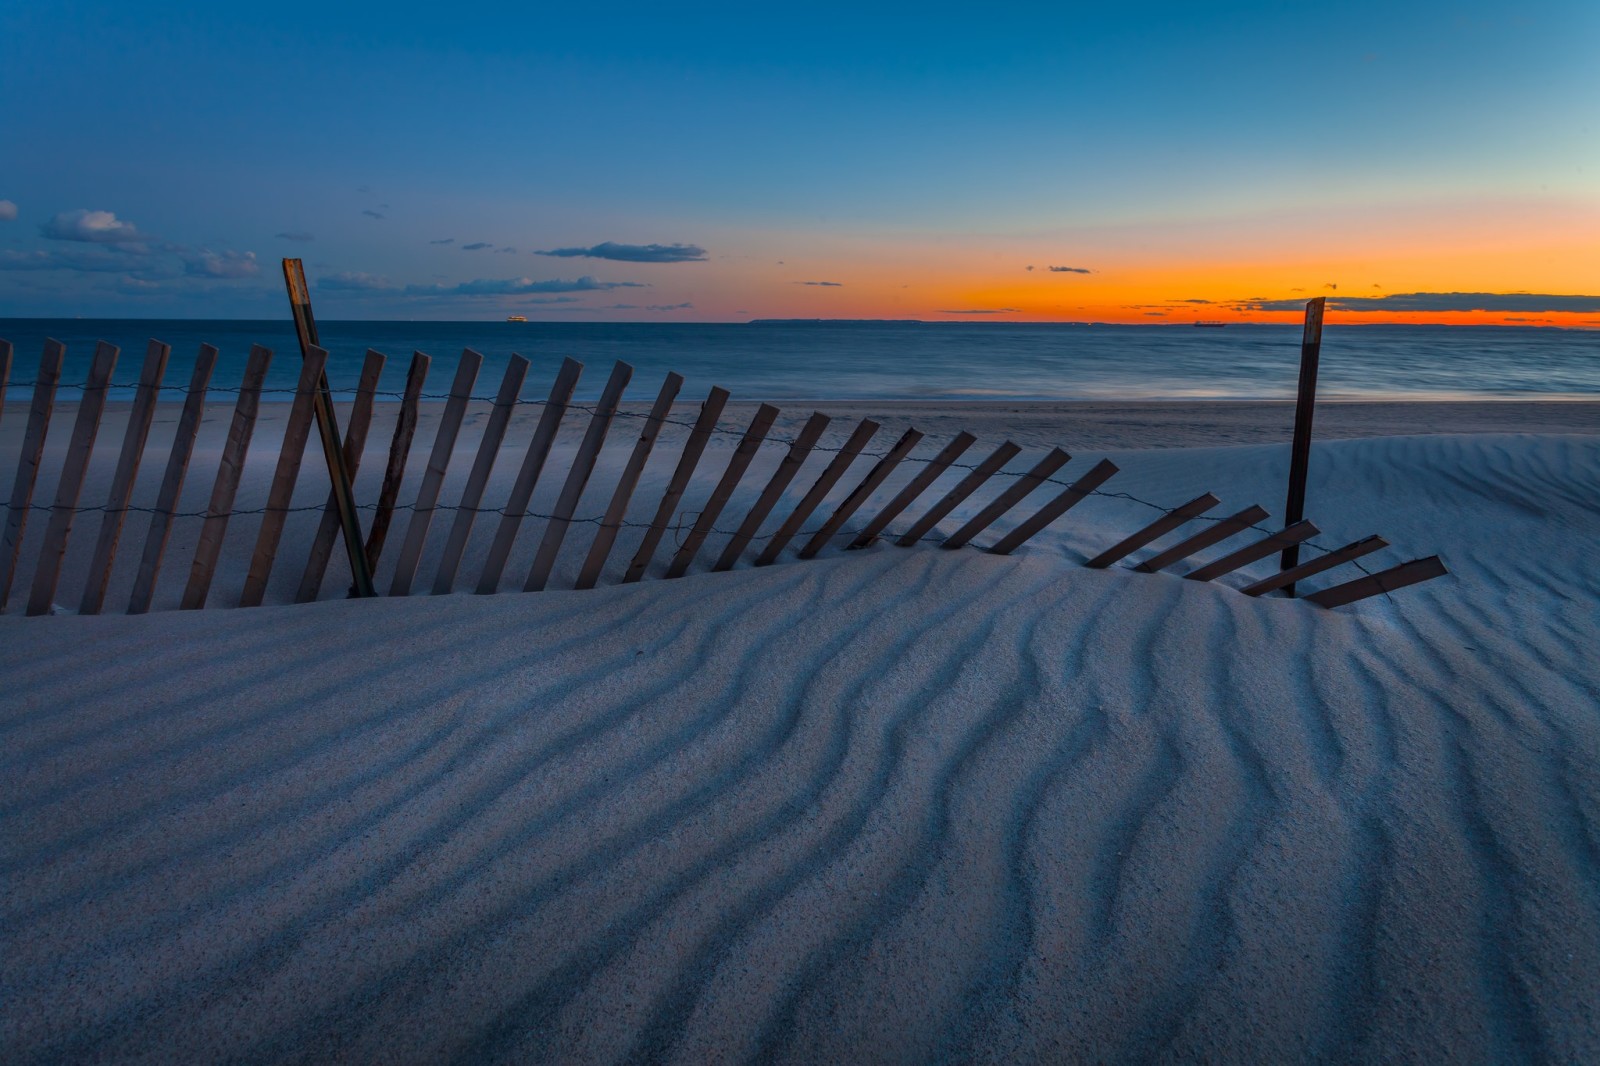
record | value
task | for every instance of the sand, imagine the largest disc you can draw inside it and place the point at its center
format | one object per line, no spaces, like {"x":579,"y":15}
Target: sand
{"x":888,"y":805}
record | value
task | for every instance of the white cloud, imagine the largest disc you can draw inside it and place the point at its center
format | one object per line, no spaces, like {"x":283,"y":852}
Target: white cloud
{"x":8,"y":211}
{"x":353,"y":281}
{"x":96,"y":227}
{"x":205,"y":263}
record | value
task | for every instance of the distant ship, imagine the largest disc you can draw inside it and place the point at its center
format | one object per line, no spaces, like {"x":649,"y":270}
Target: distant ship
{"x":1213,"y":323}
{"x":516,"y":318}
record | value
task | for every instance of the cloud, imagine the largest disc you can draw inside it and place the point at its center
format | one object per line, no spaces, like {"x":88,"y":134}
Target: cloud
{"x":1192,"y":300}
{"x":981,"y":311}
{"x":297,"y":235}
{"x":518,"y":286}
{"x":476,"y":246}
{"x":507,"y":250}
{"x":1332,"y":285}
{"x":8,"y":211}
{"x":1070,"y":270}
{"x":634,"y":253}
{"x":552,"y":300}
{"x":372,"y":214}
{"x":1157,"y":314}
{"x":204,"y":263}
{"x":354,"y":281}
{"x":446,"y":240}
{"x":669,"y":307}
{"x":90,"y":261}
{"x":824,"y":284}
{"x":1030,"y":268}
{"x":1522,"y":302}
{"x":94,"y":227}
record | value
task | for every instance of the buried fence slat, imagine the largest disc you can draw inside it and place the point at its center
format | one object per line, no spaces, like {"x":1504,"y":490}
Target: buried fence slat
{"x":1396,"y":577}
{"x":39,"y":410}
{"x":394,"y":471}
{"x":1365,"y":546}
{"x":84,"y":430}
{"x":738,"y":463}
{"x":859,"y":495}
{"x":133,"y":442}
{"x":1009,"y":498}
{"x":229,"y":470}
{"x":914,"y":488}
{"x":1154,"y":531}
{"x":819,"y":489}
{"x":617,"y":509}
{"x":155,"y":539}
{"x":1290,"y":534}
{"x":281,"y":493}
{"x":787,"y":469}
{"x":444,"y":443}
{"x":505,"y":534}
{"x":594,"y":438}
{"x":693,"y":448}
{"x":494,"y":431}
{"x":964,"y":488}
{"x":1074,"y":494}
{"x":355,"y":442}
{"x":1224,"y":529}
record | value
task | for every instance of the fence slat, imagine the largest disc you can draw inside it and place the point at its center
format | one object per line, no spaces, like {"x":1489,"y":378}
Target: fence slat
{"x":39,"y":410}
{"x":594,"y":438}
{"x":505,"y":534}
{"x":617,"y":509}
{"x":1073,"y":495}
{"x":1009,"y":498}
{"x":355,"y":442}
{"x":966,"y":487}
{"x":914,"y":488}
{"x":284,"y":476}
{"x":1224,"y":529}
{"x":738,"y":463}
{"x":155,"y":540}
{"x":133,"y":442}
{"x":693,"y":448}
{"x":793,"y":460}
{"x":1396,"y":577}
{"x":861,"y":493}
{"x":1154,"y":531}
{"x":444,"y":443}
{"x":859,"y":437}
{"x":494,"y":432}
{"x":229,"y":470}
{"x":1355,"y":550}
{"x":1293,"y":533}
{"x":394,"y":471}
{"x":84,"y":430}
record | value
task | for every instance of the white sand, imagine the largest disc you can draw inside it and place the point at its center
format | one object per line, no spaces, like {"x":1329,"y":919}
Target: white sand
{"x":892,"y":805}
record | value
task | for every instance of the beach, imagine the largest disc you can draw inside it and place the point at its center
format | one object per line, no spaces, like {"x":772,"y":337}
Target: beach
{"x":895,"y":804}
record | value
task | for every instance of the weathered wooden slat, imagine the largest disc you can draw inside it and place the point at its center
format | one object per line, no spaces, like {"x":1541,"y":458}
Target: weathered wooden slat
{"x":1073,"y":495}
{"x":133,"y":442}
{"x":84,"y":430}
{"x":1008,"y":499}
{"x":280,"y":495}
{"x":494,"y":432}
{"x":1290,"y":534}
{"x":1283,"y":578}
{"x":444,"y":443}
{"x":914,"y":488}
{"x":394,"y":471}
{"x":1154,"y":531}
{"x":693,"y":448}
{"x":505,"y":534}
{"x":229,"y":471}
{"x":155,"y":540}
{"x":859,"y":438}
{"x":1396,"y":577}
{"x":793,"y":460}
{"x":39,"y":410}
{"x":355,"y":442}
{"x":738,"y":463}
{"x":861,"y":493}
{"x":617,"y":509}
{"x":964,"y":488}
{"x":1224,"y":529}
{"x":594,"y":438}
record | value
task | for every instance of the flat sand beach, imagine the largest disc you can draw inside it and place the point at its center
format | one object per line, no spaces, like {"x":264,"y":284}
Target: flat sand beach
{"x":888,"y":805}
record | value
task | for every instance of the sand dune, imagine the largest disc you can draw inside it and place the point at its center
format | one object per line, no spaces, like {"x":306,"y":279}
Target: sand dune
{"x":895,"y":805}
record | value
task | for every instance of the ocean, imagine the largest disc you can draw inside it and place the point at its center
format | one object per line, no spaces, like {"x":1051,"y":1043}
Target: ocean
{"x":878,"y":361}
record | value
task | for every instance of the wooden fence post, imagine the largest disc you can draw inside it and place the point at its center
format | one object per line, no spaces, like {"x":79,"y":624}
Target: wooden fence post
{"x":1291,"y":534}
{"x":444,"y":443}
{"x":494,"y":432}
{"x":792,"y":461}
{"x":1154,"y":531}
{"x":861,"y":493}
{"x":964,"y":488}
{"x":1356,"y":550}
{"x":394,"y":471}
{"x":693,"y":448}
{"x":1396,"y":577}
{"x":355,"y":443}
{"x":1009,"y":498}
{"x":818,"y":491}
{"x":1224,"y":529}
{"x":738,"y":463}
{"x":39,"y":410}
{"x":617,"y":509}
{"x":1074,"y":494}
{"x":1304,"y":408}
{"x":914,"y":488}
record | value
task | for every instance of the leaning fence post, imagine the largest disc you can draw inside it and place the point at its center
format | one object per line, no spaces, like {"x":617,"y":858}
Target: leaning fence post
{"x":1304,"y":407}
{"x":355,"y":442}
{"x":44,"y":396}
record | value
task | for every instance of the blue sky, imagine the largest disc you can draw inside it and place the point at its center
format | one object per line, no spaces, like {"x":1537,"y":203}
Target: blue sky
{"x":904,"y":149}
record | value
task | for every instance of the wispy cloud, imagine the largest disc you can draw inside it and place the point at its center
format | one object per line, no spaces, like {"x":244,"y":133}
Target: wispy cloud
{"x":634,"y":253}
{"x":980,"y":311}
{"x":444,"y":240}
{"x":507,"y":250}
{"x":823,"y":284}
{"x":94,"y":227}
{"x":476,"y":246}
{"x":354,"y":281}
{"x":518,"y":286}
{"x":1521,"y":302}
{"x":297,"y":235}
{"x":89,"y":261}
{"x":8,"y":211}
{"x":669,"y":307}
{"x":204,"y":263}
{"x":1070,"y":270}
{"x":372,"y":214}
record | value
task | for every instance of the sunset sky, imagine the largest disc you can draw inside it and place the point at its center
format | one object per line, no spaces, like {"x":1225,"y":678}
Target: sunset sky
{"x":1428,"y":162}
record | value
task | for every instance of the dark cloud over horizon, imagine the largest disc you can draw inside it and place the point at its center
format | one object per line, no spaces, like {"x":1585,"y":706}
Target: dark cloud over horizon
{"x":634,"y":253}
{"x":372,"y":214}
{"x":476,"y":246}
{"x":823,"y":284}
{"x":517,"y":286}
{"x":981,"y":311}
{"x":1445,"y":301}
{"x":1070,"y":270}
{"x":444,"y":240}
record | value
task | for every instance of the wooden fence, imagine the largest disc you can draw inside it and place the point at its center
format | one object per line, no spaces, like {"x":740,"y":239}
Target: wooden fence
{"x":670,"y":513}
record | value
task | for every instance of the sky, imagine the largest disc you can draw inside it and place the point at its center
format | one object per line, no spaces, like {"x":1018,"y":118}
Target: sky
{"x":1150,"y":163}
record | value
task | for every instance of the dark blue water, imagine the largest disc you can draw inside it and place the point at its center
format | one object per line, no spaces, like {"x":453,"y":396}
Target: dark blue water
{"x":882,"y":361}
